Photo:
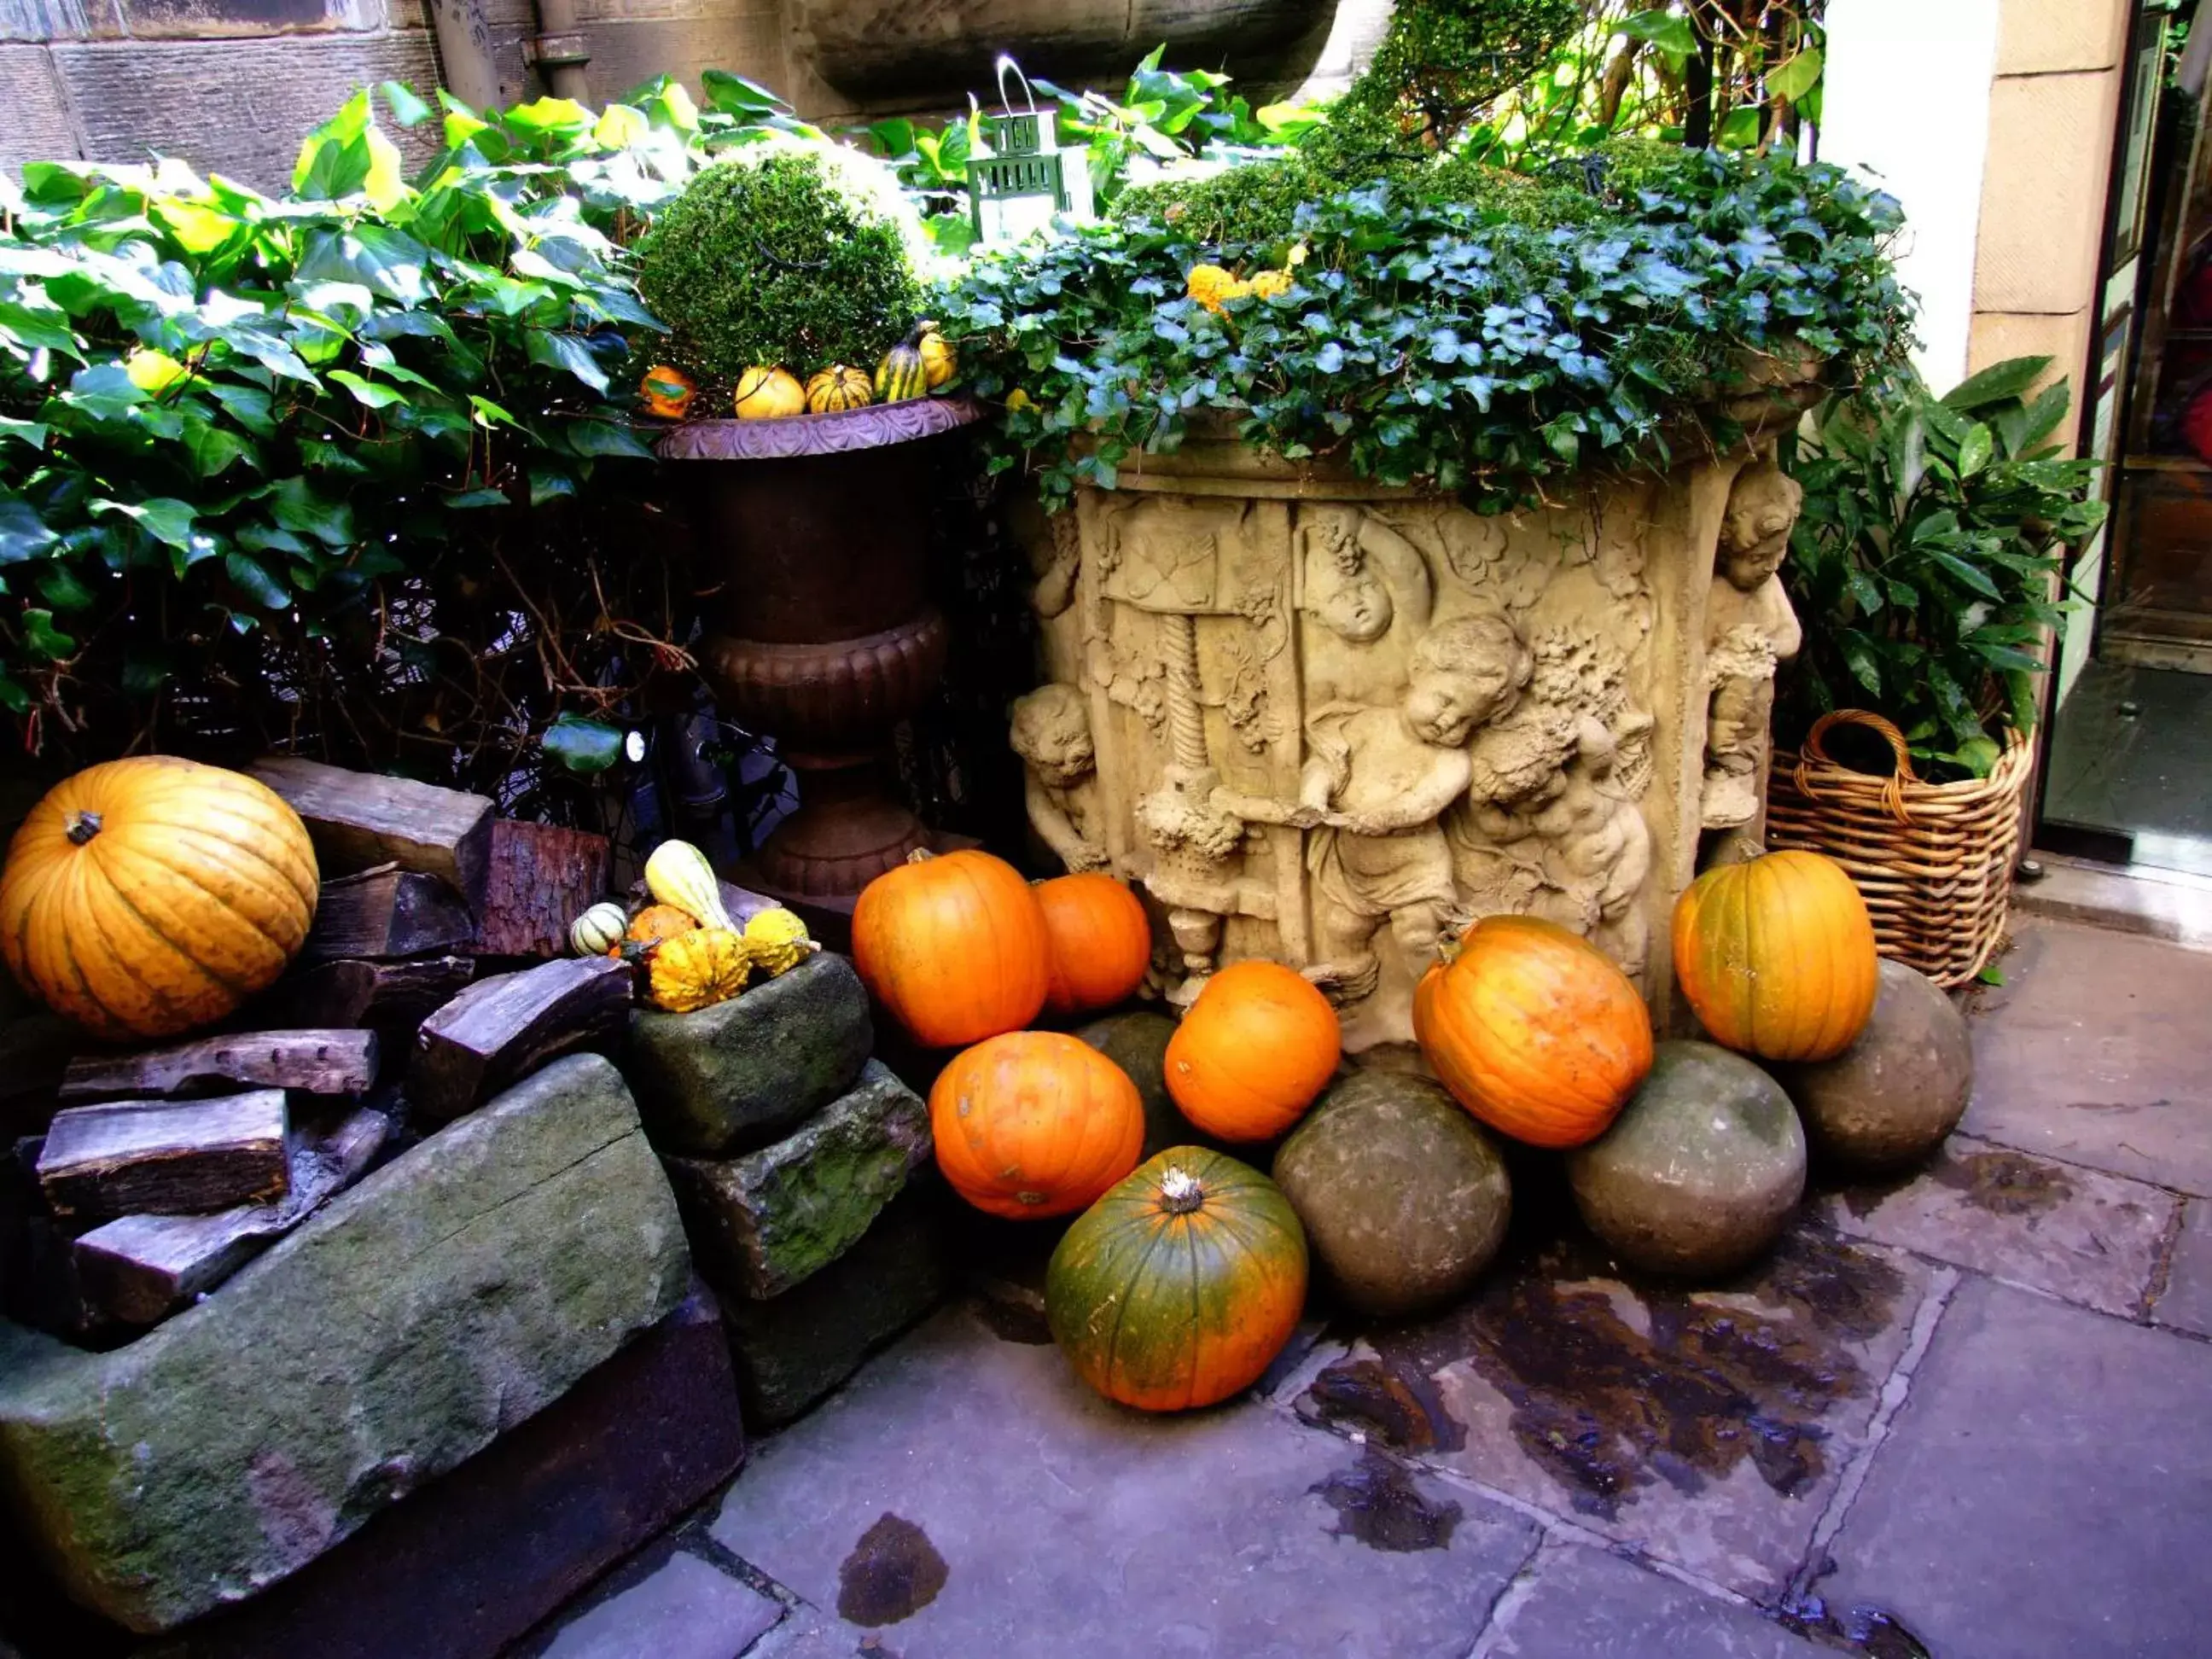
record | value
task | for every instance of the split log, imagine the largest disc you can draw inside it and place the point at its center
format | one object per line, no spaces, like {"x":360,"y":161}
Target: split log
{"x":173,"y":1156}
{"x":503,"y":1027}
{"x":542,"y":878}
{"x":142,"y":1268}
{"x":314,"y":1062}
{"x":362,"y":819}
{"x":387,"y":912}
{"x":377,"y":993}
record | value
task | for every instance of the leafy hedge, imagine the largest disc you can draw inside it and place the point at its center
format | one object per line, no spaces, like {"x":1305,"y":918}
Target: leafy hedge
{"x":1427,"y":339}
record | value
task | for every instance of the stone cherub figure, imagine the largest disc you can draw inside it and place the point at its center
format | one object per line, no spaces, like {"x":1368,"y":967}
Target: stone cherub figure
{"x":1373,"y":793}
{"x":1051,"y":732}
{"x":1749,"y":629}
{"x":1361,"y":575}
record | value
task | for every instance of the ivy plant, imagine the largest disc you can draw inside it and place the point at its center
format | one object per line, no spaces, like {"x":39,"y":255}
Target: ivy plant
{"x":1438,"y":341}
{"x":1927,"y":560}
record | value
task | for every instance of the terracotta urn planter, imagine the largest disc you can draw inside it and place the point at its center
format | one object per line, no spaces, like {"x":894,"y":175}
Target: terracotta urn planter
{"x":826,"y":638}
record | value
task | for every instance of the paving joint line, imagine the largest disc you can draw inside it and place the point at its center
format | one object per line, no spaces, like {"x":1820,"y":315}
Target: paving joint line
{"x":1988,"y":1138}
{"x":2161,"y":1267}
{"x":1497,"y":1618}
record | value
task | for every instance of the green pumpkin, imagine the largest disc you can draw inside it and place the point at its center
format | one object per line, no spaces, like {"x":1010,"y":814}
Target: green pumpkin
{"x":1179,"y":1286}
{"x":903,"y":374}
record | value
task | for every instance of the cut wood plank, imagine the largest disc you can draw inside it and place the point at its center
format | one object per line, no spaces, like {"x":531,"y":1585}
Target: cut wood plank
{"x":387,"y":912}
{"x":360,"y":819}
{"x":173,"y":1156}
{"x":379,"y":993}
{"x":543,"y":877}
{"x":140,"y":1269}
{"x":314,"y":1062}
{"x":503,"y":1027}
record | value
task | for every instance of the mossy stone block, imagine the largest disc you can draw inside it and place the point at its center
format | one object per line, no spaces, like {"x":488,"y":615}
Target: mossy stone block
{"x":735,"y":1077}
{"x":413,"y":1321}
{"x":771,"y":1220}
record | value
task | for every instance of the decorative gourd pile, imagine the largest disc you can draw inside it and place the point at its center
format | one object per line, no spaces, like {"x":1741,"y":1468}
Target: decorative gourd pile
{"x":694,"y":952}
{"x":922,"y":365}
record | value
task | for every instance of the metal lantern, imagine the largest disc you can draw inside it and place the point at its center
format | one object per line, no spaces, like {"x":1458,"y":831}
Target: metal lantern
{"x":1023,"y":178}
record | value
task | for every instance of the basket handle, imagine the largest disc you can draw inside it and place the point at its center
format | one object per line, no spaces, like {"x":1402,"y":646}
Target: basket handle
{"x":1892,"y":794}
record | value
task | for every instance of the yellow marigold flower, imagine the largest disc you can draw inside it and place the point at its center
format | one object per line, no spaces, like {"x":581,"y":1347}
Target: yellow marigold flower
{"x":1272,"y":284}
{"x":1019,"y":398}
{"x":1210,"y":285}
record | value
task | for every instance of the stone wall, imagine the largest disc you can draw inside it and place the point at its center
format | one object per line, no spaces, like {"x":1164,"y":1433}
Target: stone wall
{"x":231,"y":85}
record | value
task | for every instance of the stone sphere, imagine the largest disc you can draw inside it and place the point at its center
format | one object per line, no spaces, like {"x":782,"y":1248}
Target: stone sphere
{"x":1404,"y":1196}
{"x":1137,"y":1042}
{"x":1890,"y":1098}
{"x":1700,"y":1171}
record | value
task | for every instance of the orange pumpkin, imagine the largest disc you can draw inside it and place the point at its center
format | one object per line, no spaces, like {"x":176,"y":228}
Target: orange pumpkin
{"x":1777,"y":956}
{"x":1034,"y":1123}
{"x":954,"y":946}
{"x":1533,"y":1030}
{"x":655,"y":923}
{"x":146,"y":897}
{"x":666,"y":392}
{"x":1253,"y":1052}
{"x":1179,"y":1286}
{"x":1100,"y":939}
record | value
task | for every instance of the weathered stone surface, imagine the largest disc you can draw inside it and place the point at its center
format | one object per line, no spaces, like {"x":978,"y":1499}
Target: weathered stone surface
{"x":2075,"y":1232}
{"x":792,"y":1349}
{"x":684,"y":1608}
{"x":435,"y":1305}
{"x":2186,"y":1303}
{"x":735,"y":1075}
{"x":1138,"y":1043}
{"x":2092,"y":1052}
{"x":2042,"y":1492}
{"x":1890,"y":1098}
{"x":34,"y":124}
{"x":1405,"y":1199}
{"x":1587,"y":1604}
{"x":764,"y":1222}
{"x":1701,"y":1169}
{"x":1227,"y":1533}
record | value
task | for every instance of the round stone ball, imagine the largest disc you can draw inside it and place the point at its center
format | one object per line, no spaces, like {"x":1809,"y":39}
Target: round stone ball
{"x":1137,"y":1042}
{"x":1889,"y":1099}
{"x":1404,"y":1196}
{"x":1701,"y":1169}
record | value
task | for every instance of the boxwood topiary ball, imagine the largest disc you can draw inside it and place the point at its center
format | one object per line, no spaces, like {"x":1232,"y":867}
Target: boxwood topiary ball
{"x":1890,"y":1098}
{"x":1404,"y":1196}
{"x":1700,"y":1171}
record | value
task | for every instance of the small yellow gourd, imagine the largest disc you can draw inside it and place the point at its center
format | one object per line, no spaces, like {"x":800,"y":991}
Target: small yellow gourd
{"x":940,"y":363}
{"x":598,"y":929}
{"x":677,"y":874}
{"x":778,"y":941}
{"x":766,"y":393}
{"x":658,"y":921}
{"x":696,"y":969}
{"x":838,"y":387}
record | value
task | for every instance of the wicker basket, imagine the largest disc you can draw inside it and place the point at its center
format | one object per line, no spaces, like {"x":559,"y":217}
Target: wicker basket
{"x":1934,"y":860}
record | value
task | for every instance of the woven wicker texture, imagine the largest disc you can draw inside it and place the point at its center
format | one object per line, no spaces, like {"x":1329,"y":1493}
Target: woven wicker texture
{"x":1934,"y":861}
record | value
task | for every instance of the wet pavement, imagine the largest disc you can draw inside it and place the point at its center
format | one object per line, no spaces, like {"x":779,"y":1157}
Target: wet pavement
{"x":1962,"y":1414}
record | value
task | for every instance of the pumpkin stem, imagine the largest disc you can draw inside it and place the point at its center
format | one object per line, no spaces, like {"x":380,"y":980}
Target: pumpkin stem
{"x":82,"y":827}
{"x":920,"y":855}
{"x":1180,"y":1191}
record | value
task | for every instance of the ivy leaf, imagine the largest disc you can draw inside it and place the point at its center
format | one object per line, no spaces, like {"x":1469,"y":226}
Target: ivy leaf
{"x":570,"y":352}
{"x":585,"y":747}
{"x":164,"y":518}
{"x":263,"y":589}
{"x":366,"y":393}
{"x":1794,"y":78}
{"x":468,"y":499}
{"x":606,"y":438}
{"x":1668,"y":31}
{"x":42,"y":639}
{"x":23,"y":534}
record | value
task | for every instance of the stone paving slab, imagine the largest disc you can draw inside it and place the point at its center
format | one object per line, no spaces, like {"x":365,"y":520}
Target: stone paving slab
{"x":965,"y":1495}
{"x":2043,"y":1493}
{"x":2074,"y":1231}
{"x":2093,"y":1051}
{"x":2186,"y":1303}
{"x":1707,"y":1429}
{"x":1584,"y":1603}
{"x":684,"y":1608}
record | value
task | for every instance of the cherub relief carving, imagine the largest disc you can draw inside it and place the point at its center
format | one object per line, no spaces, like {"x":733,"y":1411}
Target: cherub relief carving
{"x":1361,"y":575}
{"x":1051,"y":732}
{"x":1749,"y":629}
{"x":1056,"y":583}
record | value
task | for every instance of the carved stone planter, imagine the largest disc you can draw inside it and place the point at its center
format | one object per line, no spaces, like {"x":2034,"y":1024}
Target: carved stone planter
{"x":827,"y":638}
{"x":1322,"y":719}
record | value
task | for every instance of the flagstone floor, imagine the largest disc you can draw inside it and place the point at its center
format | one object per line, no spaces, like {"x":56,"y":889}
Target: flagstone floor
{"x":1966,"y":1414}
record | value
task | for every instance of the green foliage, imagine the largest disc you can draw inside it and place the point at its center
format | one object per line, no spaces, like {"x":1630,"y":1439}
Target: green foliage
{"x":1442,"y":63}
{"x":1926,"y":559}
{"x":766,"y":258}
{"x":1433,"y":340}
{"x":302,"y":467}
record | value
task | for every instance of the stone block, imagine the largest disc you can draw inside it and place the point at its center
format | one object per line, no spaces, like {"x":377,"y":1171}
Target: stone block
{"x":734,"y":1076}
{"x":211,"y":19}
{"x":422,"y":1315}
{"x":2047,"y":37}
{"x":34,"y":123}
{"x":748,"y":41}
{"x":792,"y":1349}
{"x":764,"y":1222}
{"x":2043,"y":194}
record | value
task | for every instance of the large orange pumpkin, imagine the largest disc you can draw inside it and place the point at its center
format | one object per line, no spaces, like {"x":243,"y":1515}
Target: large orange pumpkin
{"x":954,"y":946}
{"x":1179,"y":1286}
{"x":1034,"y":1123}
{"x":1777,"y":956}
{"x":1533,"y":1030}
{"x":146,"y":897}
{"x":1253,"y":1052}
{"x":1100,"y":939}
